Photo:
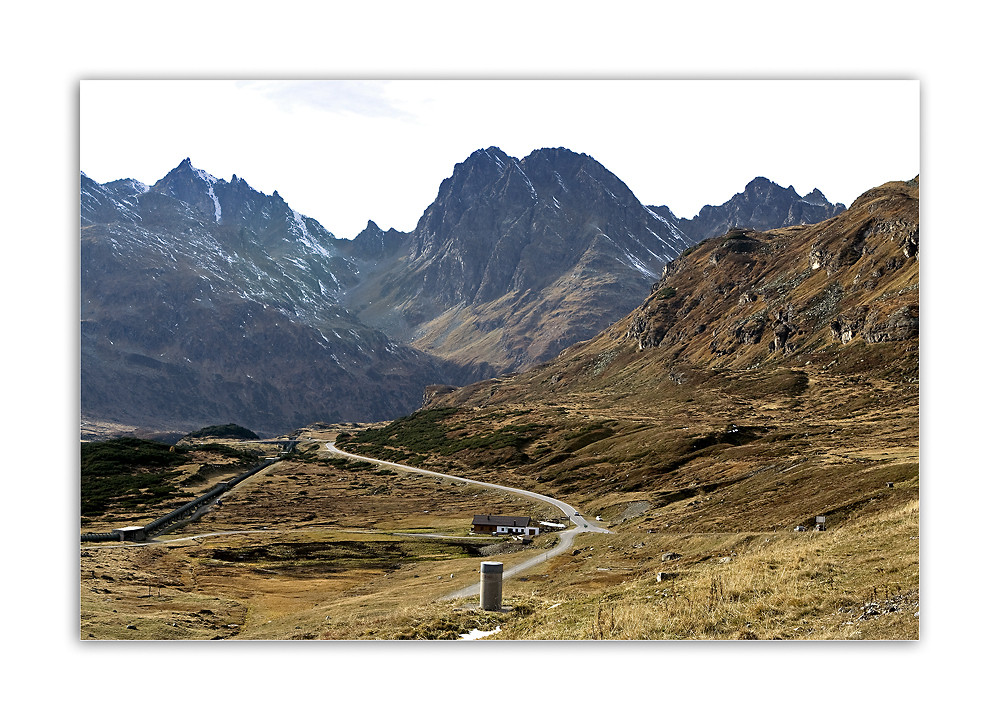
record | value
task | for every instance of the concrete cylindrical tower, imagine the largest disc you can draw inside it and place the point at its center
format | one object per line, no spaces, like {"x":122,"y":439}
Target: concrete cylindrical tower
{"x":490,"y":585}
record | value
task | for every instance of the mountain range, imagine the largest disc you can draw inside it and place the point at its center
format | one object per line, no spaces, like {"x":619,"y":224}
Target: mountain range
{"x":206,"y":301}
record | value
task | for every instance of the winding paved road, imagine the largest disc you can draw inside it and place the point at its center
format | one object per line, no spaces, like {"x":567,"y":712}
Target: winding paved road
{"x":580,"y":524}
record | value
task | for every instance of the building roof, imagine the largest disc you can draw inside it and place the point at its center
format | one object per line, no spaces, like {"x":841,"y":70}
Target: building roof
{"x":479,"y":520}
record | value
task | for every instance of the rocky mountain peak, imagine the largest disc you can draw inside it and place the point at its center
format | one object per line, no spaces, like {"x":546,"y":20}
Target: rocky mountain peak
{"x":484,"y":164}
{"x":113,"y":202}
{"x":760,"y":184}
{"x":553,"y":236}
{"x":252,"y":216}
{"x":762,"y":205}
{"x":816,"y":198}
{"x":373,"y":242}
{"x":192,"y":186}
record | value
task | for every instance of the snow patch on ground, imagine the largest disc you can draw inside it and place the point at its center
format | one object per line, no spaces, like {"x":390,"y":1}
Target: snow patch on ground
{"x":635,"y":263}
{"x":476,"y":633}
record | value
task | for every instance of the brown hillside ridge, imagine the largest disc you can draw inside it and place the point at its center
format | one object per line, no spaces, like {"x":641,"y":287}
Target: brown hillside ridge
{"x":751,"y":297}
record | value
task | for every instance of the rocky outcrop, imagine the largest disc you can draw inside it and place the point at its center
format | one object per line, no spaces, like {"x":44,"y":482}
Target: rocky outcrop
{"x":877,"y":325}
{"x":373,"y":243}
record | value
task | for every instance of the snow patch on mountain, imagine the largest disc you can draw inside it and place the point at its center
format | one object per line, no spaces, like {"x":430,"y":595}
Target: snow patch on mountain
{"x":500,"y":163}
{"x":657,"y":216}
{"x":139,"y":187}
{"x":210,"y":182}
{"x":305,"y":237}
{"x":531,"y":188}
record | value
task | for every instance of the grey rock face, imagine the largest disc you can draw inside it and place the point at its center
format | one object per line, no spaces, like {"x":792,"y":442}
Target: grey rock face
{"x":763,"y":205}
{"x":555,"y":237}
{"x":204,"y":301}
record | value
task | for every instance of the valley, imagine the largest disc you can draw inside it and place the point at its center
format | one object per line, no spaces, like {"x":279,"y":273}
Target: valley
{"x":708,"y":550}
{"x":744,"y":417}
{"x":310,"y":534}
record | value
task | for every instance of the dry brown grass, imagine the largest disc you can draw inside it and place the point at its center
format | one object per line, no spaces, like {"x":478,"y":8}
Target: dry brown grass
{"x":859,"y":581}
{"x":303,"y":541}
{"x":778,"y":585}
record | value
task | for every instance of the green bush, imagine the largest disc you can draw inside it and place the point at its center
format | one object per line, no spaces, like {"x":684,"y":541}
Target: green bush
{"x":128,"y":472}
{"x":410,"y":439}
{"x":228,"y":430}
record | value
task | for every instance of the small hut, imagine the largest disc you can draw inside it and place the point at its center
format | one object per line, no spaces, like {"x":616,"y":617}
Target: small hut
{"x":131,"y":533}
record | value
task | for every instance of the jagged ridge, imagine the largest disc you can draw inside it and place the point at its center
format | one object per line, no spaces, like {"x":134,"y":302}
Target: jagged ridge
{"x":762,"y":205}
{"x":205,"y":301}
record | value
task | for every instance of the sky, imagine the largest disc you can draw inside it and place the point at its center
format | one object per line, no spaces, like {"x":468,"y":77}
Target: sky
{"x":348,"y":151}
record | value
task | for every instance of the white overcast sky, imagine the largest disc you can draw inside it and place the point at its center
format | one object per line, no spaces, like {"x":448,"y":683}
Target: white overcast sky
{"x":346,"y":151}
